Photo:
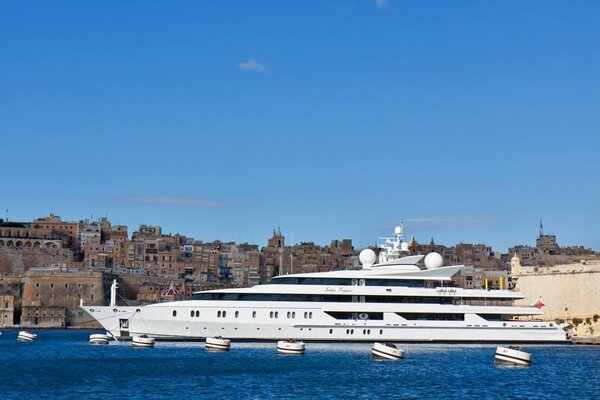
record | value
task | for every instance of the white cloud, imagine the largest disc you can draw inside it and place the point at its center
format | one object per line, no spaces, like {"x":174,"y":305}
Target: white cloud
{"x":380,"y":4}
{"x":173,"y":201}
{"x":252,"y":65}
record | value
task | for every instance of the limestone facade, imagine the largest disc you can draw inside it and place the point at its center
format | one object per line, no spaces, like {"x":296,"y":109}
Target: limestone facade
{"x":569,"y":292}
{"x":51,"y":296}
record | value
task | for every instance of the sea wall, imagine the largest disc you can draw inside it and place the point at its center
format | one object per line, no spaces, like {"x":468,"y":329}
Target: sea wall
{"x":570,"y":292}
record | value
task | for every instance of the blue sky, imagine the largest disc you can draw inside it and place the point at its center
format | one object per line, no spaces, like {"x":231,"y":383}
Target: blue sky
{"x":468,"y":120}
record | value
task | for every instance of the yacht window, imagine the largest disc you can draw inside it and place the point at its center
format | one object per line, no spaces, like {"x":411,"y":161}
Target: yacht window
{"x":293,"y":314}
{"x":289,"y":314}
{"x":381,"y":331}
{"x":224,"y":314}
{"x":310,"y":315}
{"x":197,"y":313}
{"x":305,"y":315}
{"x":191,"y":313}
{"x":331,"y":331}
{"x":174,"y":313}
{"x":237,"y":314}
{"x":276,"y":314}
{"x":218,"y":314}
{"x":271,"y":314}
{"x":253,"y":314}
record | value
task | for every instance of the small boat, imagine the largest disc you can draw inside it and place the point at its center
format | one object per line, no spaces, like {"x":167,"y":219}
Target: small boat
{"x":142,"y":341}
{"x":217,"y":343}
{"x":99,"y":338}
{"x":512,"y":355}
{"x":386,"y":351}
{"x":290,"y":347}
{"x":26,"y":336}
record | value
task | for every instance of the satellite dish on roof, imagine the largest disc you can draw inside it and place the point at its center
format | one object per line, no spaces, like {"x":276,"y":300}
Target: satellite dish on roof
{"x":367,"y":258}
{"x":433,"y":260}
{"x":398,"y":230}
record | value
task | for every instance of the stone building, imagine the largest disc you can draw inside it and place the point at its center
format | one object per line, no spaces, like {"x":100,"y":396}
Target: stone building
{"x":7,"y":310}
{"x":51,"y":296}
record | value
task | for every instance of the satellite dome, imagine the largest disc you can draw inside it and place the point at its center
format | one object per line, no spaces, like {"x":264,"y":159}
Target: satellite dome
{"x":398,"y":230}
{"x":433,"y":260}
{"x":367,"y":257}
{"x":404,"y":246}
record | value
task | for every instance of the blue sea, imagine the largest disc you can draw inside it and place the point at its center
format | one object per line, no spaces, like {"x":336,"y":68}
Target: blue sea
{"x":62,"y":364}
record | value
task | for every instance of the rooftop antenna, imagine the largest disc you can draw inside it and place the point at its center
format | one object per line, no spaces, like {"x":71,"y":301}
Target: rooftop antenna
{"x":541,"y":228}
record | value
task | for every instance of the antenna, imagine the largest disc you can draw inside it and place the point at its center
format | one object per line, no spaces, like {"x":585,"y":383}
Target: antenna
{"x":541,"y":228}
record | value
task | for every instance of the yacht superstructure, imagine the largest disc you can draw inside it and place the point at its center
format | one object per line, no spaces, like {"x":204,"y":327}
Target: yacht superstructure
{"x":389,"y":299}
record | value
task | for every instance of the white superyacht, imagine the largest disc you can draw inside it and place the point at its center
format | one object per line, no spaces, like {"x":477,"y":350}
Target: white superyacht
{"x":390,"y":299}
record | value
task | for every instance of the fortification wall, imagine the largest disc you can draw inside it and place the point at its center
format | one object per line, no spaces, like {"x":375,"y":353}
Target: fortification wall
{"x":571,"y":293}
{"x":15,"y":260}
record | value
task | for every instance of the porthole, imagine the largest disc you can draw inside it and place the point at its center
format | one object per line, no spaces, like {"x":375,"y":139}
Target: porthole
{"x":191,"y":313}
{"x":331,"y":331}
{"x":271,"y":314}
{"x":293,"y":314}
{"x":237,"y":314}
{"x":310,"y":315}
{"x":253,"y":314}
{"x":368,"y":331}
{"x":352,"y":331}
{"x":218,"y":314}
{"x":197,"y":313}
{"x":381,"y":331}
{"x":224,"y":314}
{"x":174,"y":313}
{"x":276,"y":314}
{"x":347,"y":331}
{"x":305,"y":315}
{"x":289,"y":314}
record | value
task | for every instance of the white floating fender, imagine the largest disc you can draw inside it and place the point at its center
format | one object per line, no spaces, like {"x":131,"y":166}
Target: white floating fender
{"x":290,"y":347}
{"x":386,"y":351}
